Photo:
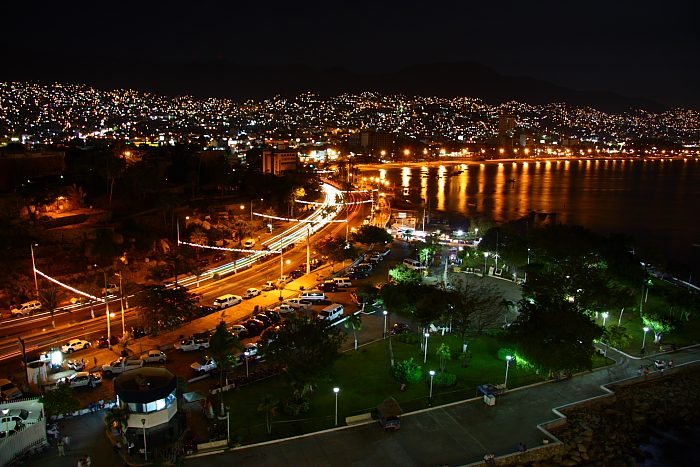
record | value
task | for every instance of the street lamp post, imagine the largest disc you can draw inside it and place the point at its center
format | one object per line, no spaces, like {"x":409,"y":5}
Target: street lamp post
{"x":644,"y":341}
{"x":109,"y":325}
{"x":432,"y":375}
{"x":178,"y":227}
{"x":145,"y":450}
{"x":121,"y":301}
{"x":247,"y":373}
{"x":228,"y":425}
{"x":7,"y":422}
{"x":508,"y":359}
{"x":528,"y":256}
{"x":486,"y":257}
{"x":386,"y":314}
{"x":251,"y":209}
{"x":336,"y":391}
{"x":36,"y":283}
{"x":425,"y":354}
{"x":605,"y":317}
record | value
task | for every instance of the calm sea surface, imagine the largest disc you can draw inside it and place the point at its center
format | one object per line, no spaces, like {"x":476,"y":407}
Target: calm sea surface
{"x":655,"y":201}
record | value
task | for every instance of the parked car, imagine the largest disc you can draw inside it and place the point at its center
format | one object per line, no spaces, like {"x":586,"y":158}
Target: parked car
{"x":263,"y":318}
{"x":102,"y":341}
{"x":75,"y":344}
{"x":219,"y":257}
{"x":273,"y":315}
{"x":296,"y":274}
{"x":269,"y":285}
{"x":355,"y":275}
{"x":238,"y":330}
{"x":204,"y":365}
{"x":84,"y":378}
{"x":284,"y":309}
{"x":154,"y":356}
{"x":249,"y":350}
{"x":254,"y":326}
{"x":207,"y":310}
{"x":328,"y":286}
{"x":252,"y":292}
{"x":137,"y":333}
{"x":285,"y":280}
{"x":400,"y":328}
{"x":298,"y":304}
{"x":9,"y":390}
{"x":187,"y":345}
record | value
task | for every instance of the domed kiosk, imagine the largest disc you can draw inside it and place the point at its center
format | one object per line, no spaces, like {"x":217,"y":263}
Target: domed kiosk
{"x":150,"y":395}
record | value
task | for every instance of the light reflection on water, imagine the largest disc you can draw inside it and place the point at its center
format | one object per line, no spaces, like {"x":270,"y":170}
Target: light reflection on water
{"x":653,"y":200}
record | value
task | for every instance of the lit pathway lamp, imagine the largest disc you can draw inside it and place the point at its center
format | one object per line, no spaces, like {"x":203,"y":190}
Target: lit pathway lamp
{"x":432,"y":375}
{"x":605,"y":317}
{"x":109,"y":326}
{"x":508,"y":359}
{"x":425,"y":354}
{"x":336,"y":391}
{"x":145,"y":450}
{"x":386,"y":314}
{"x":247,"y":373}
{"x":644,"y":341}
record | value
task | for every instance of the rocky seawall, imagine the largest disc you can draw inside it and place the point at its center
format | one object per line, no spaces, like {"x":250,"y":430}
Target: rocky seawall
{"x":613,"y":430}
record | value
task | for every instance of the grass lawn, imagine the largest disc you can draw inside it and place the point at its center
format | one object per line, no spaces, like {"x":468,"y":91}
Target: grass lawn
{"x":364,"y":381}
{"x":687,"y":333}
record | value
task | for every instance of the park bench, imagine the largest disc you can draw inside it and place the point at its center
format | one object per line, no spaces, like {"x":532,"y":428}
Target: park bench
{"x":359,"y":419}
{"x":212,"y":446}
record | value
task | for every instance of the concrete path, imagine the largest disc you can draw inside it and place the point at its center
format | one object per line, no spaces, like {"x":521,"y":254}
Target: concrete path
{"x":455,"y":435}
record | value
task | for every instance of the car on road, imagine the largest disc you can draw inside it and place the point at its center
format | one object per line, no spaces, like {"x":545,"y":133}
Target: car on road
{"x":103,"y":343}
{"x":26,"y":308}
{"x":74,"y":345}
{"x":248,"y":244}
{"x":296,"y":274}
{"x":111,"y":289}
{"x":269,"y":285}
{"x":254,"y":326}
{"x":219,"y":257}
{"x":298,"y":304}
{"x":120,"y":366}
{"x":201,"y":262}
{"x":154,"y":356}
{"x":285,"y":280}
{"x":192,"y":343}
{"x":9,"y":390}
{"x":84,"y":378}
{"x":400,"y":328}
{"x":252,"y":292}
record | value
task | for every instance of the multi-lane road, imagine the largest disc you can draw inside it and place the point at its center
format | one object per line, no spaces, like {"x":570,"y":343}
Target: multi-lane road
{"x":251,"y":271}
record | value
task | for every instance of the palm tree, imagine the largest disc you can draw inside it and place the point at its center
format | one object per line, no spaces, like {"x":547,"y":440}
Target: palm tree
{"x":157,"y":273}
{"x":199,"y":237}
{"x":354,"y":322}
{"x":91,"y":288}
{"x":118,"y":417}
{"x":220,"y":349}
{"x":125,"y":342}
{"x":268,"y":404}
{"x":50,"y":298}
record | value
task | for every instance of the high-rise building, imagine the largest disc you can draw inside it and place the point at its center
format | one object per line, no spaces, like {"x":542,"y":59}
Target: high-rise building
{"x":277,"y":162}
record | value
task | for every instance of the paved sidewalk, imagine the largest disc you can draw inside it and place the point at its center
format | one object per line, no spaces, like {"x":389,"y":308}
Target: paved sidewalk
{"x":455,"y":435}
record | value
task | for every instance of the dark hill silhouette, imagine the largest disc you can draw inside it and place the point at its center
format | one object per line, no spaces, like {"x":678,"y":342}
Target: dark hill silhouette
{"x":220,"y":78}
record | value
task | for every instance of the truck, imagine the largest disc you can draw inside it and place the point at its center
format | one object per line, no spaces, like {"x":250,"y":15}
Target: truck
{"x":121,"y":365}
{"x":192,"y":343}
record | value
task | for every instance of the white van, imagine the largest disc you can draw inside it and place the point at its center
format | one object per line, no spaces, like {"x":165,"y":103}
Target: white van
{"x":412,"y":264}
{"x":317,"y":295}
{"x":26,"y":308}
{"x":226,"y":301}
{"x":342,"y":281}
{"x":332,"y":312}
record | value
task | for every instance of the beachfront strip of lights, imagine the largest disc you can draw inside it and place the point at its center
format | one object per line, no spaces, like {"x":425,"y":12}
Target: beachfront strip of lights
{"x":223,"y":248}
{"x":310,"y":221}
{"x":72,"y":289}
{"x":342,"y":204}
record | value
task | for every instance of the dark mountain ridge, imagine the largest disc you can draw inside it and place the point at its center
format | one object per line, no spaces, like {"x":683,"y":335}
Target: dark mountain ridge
{"x":224,"y":79}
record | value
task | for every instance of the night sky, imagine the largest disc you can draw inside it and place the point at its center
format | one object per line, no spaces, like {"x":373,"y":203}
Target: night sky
{"x":638,"y":49}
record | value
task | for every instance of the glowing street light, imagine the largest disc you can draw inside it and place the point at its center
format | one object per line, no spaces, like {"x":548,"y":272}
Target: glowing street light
{"x":336,"y":391}
{"x":145,"y":451}
{"x":644,"y":341}
{"x":386,"y":314}
{"x":508,"y":359}
{"x":109,"y":326}
{"x":425,"y":355}
{"x":605,"y":317}
{"x":432,"y":375}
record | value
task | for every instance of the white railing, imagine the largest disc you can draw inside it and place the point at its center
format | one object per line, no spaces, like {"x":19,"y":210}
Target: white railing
{"x":21,"y":441}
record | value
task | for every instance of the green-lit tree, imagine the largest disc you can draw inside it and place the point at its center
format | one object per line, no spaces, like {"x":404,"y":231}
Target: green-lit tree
{"x":660,"y":325}
{"x":617,"y":336}
{"x":354,"y":322}
{"x":60,"y":401}
{"x":402,"y":274}
{"x":444,"y":353}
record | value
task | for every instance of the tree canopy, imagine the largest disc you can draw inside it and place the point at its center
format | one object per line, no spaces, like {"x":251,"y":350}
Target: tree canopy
{"x":164,"y":308}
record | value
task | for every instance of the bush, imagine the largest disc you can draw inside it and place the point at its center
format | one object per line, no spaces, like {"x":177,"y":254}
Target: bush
{"x":407,"y":372}
{"x":294,"y":408}
{"x":444,"y":379}
{"x":406,"y":338}
{"x":216,"y":277}
{"x":491,"y":332}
